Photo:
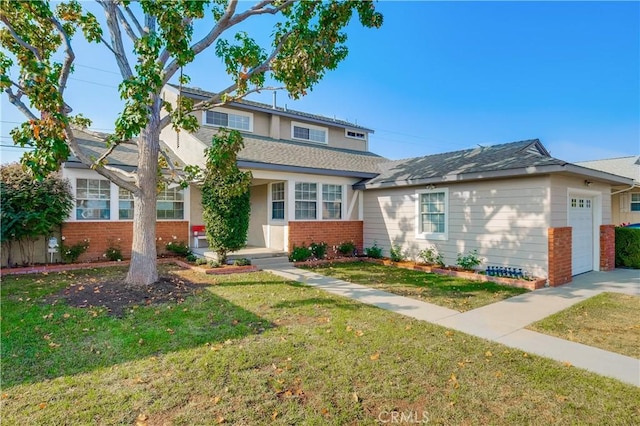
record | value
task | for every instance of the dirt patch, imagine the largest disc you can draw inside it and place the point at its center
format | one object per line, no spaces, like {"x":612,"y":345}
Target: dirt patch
{"x":116,"y":296}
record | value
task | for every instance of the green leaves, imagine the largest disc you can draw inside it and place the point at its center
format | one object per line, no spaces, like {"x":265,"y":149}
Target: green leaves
{"x":240,"y":59}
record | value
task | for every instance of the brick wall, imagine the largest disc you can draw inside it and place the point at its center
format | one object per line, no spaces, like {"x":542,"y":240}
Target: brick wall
{"x":331,"y":232}
{"x":607,"y":247}
{"x":103,"y":234}
{"x":560,"y":249}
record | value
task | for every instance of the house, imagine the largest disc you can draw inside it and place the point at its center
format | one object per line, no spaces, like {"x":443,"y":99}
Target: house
{"x":315,"y":180}
{"x":625,"y":199}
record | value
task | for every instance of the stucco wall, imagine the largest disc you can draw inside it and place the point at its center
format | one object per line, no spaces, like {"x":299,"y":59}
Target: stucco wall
{"x":621,"y":208}
{"x":257,"y":233}
{"x":505,"y":220}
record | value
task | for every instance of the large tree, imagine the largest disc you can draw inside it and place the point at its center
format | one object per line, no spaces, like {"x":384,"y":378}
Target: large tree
{"x":307,"y":40}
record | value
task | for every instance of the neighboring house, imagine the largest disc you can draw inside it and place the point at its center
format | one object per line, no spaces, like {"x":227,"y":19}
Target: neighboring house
{"x":625,"y":199}
{"x":314,"y":180}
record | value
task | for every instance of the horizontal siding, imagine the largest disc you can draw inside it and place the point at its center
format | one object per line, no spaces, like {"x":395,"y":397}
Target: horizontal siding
{"x":560,"y":187}
{"x":505,"y":220}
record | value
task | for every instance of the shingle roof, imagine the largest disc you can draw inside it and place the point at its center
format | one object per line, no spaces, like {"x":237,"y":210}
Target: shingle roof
{"x":624,"y":166}
{"x":124,"y":155}
{"x":262,"y":150}
{"x":504,"y":157}
{"x":269,"y":108}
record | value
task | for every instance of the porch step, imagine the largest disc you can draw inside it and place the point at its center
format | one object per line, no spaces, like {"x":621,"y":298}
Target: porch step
{"x":271,"y":262}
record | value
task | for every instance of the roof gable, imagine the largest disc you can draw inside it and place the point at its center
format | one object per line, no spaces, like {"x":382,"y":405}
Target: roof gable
{"x":623,"y":166}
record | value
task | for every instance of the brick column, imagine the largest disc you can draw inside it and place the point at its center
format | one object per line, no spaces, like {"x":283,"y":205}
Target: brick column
{"x":607,"y":247}
{"x":560,"y":252}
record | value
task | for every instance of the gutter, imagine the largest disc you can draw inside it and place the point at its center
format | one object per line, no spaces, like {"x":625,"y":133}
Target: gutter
{"x":626,"y":189}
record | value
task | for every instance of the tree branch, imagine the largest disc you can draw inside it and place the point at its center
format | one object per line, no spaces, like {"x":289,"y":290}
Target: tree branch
{"x":116,"y":38}
{"x":134,"y":19}
{"x":15,"y":100}
{"x":69,"y":56}
{"x":115,"y":175}
{"x":205,"y":42}
{"x":125,"y":24}
{"x":19,"y":39}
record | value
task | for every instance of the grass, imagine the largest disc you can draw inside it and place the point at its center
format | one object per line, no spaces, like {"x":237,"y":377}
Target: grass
{"x":253,"y":349}
{"x":608,"y":321}
{"x":450,"y":292}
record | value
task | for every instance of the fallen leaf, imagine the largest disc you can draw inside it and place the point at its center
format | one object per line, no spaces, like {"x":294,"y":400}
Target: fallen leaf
{"x":567,"y":364}
{"x":408,"y":327}
{"x":449,"y":333}
{"x":561,"y":398}
{"x":66,"y":315}
{"x":221,"y":420}
{"x":375,"y":356}
{"x":141,"y":420}
{"x":215,"y":399}
{"x":349,"y":328}
{"x":42,"y":405}
{"x":5,"y":395}
{"x":359,"y":333}
{"x":525,"y":355}
{"x":488,"y":354}
{"x":355,"y":397}
{"x":170,"y":331}
{"x":274,"y":415}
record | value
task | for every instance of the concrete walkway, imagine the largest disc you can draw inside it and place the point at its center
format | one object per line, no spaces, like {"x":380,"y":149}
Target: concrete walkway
{"x":504,"y":322}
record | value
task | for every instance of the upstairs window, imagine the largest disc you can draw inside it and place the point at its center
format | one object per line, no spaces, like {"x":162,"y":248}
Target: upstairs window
{"x":308,"y":132}
{"x":229,"y":119}
{"x":93,"y":199}
{"x":355,"y":134}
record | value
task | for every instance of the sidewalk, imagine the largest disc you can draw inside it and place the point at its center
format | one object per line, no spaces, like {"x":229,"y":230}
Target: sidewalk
{"x":504,"y":322}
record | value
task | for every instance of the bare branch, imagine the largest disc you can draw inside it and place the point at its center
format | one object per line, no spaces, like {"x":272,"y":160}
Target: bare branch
{"x":125,"y":24}
{"x":134,"y":19}
{"x":69,"y":56}
{"x":116,"y":38}
{"x":172,"y":166}
{"x":115,"y":175}
{"x":19,"y":39}
{"x":17,"y":102}
{"x":107,"y":153}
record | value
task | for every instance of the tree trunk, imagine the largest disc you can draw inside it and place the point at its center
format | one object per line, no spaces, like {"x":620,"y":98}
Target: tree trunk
{"x":143,"y":269}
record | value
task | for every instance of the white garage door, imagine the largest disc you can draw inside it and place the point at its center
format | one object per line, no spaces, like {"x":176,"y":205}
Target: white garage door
{"x":581,"y":220}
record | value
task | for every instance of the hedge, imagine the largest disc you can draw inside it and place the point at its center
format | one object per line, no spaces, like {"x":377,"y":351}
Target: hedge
{"x":628,"y":247}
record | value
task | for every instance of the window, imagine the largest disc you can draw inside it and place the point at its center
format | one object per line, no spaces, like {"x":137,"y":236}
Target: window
{"x":308,"y":133}
{"x":230,"y":119}
{"x":277,"y":201}
{"x":354,"y":134}
{"x":170,"y":204}
{"x":332,"y":202}
{"x":635,"y":202}
{"x":125,"y":204}
{"x":432,"y":213}
{"x":92,"y":199}
{"x":306,"y":196}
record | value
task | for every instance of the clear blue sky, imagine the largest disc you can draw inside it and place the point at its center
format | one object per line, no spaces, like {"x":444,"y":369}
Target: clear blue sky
{"x":442,"y":76}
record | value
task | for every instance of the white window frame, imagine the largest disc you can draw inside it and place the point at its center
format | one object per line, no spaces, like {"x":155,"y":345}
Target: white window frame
{"x":125,"y":196}
{"x":283,"y":201}
{"x":319,"y":201}
{"x":229,"y":112}
{"x":296,"y":200}
{"x":632,"y":202}
{"x":441,"y":236}
{"x":310,"y":127}
{"x":175,"y":200}
{"x":80,"y":211}
{"x":332,"y":201}
{"x":355,"y":134}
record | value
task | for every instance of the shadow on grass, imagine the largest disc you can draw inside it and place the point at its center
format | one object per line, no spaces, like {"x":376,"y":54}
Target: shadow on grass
{"x":43,"y":341}
{"x":315,"y":301}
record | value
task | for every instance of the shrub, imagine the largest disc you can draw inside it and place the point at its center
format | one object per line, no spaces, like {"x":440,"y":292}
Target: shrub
{"x":179,"y":248}
{"x":628,"y":247}
{"x":200,"y":261}
{"x":318,"y":250}
{"x":431,"y":256}
{"x":469,"y":261}
{"x":395,"y":253}
{"x":300,"y":254}
{"x":113,"y":252}
{"x":347,"y":248}
{"x":242,"y":262}
{"x":373,"y":252}
{"x":71,"y":253}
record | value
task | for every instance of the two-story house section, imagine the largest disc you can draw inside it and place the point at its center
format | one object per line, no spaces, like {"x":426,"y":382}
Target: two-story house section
{"x":304,"y":167}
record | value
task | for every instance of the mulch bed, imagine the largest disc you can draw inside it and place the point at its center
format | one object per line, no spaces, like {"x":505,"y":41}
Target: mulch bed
{"x":116,"y":297}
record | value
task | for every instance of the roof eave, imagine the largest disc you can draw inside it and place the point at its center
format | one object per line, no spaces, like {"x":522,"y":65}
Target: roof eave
{"x":243,"y":164}
{"x":495,"y":174}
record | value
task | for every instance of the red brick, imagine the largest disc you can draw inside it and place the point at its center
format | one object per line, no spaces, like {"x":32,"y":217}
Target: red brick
{"x":560,"y":252}
{"x":607,"y":247}
{"x":332,"y":232}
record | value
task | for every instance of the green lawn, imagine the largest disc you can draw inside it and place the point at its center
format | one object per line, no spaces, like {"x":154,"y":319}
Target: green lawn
{"x":450,"y":292}
{"x":254,"y":349}
{"x":610,"y":321}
